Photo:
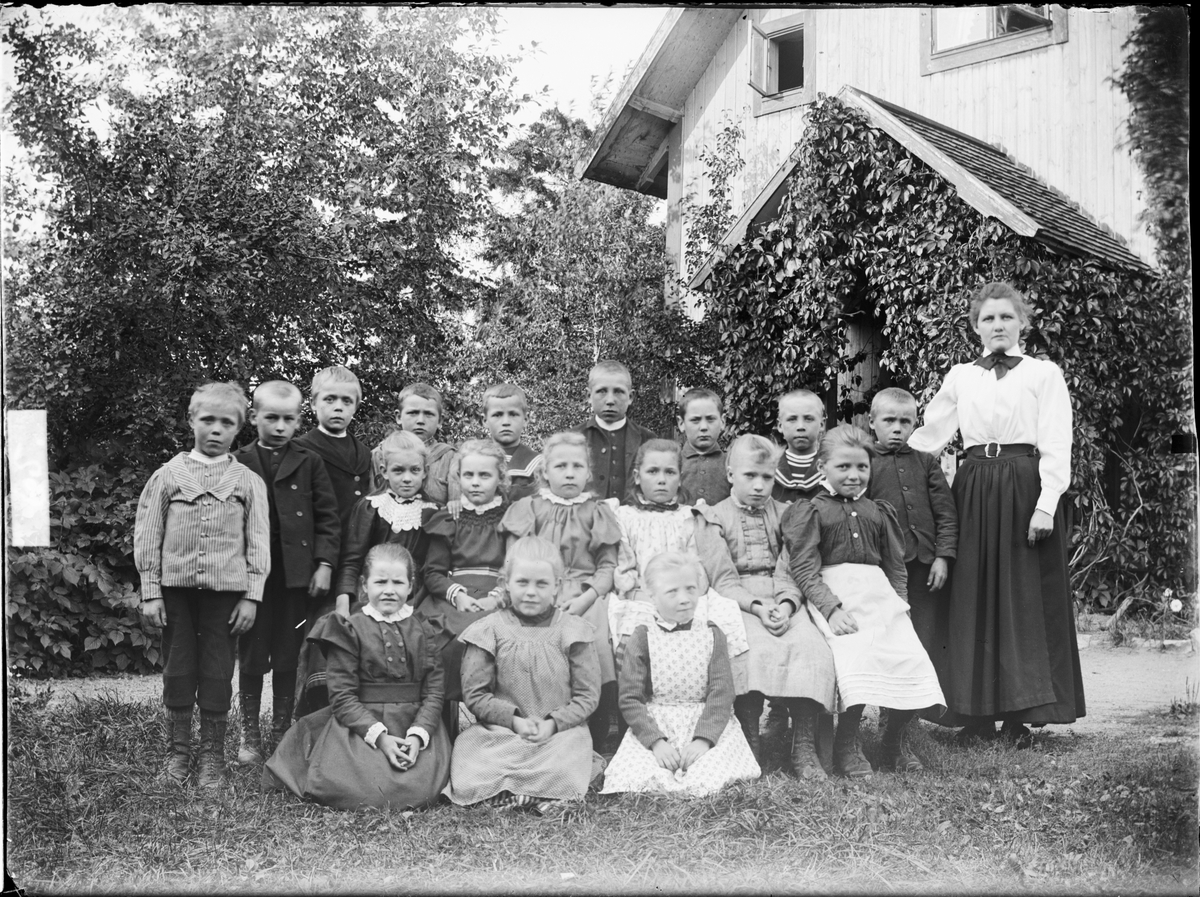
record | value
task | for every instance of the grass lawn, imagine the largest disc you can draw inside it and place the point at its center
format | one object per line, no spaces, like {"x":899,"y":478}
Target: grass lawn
{"x":88,"y":810}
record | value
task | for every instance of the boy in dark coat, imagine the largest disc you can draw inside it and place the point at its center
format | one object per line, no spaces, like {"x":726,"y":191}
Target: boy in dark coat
{"x":613,"y":439}
{"x":305,"y":542}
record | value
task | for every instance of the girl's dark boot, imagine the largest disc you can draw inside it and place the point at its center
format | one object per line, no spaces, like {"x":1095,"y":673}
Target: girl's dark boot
{"x":805,"y":763}
{"x":179,"y":730}
{"x":281,"y":715}
{"x":848,"y":757}
{"x":748,"y":710}
{"x":894,"y":754}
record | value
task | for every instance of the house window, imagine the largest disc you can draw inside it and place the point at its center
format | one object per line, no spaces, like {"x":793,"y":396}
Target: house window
{"x":956,"y":36}
{"x":780,"y":70}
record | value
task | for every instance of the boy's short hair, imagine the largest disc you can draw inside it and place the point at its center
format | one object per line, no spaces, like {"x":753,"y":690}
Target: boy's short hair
{"x":489,"y":449}
{"x":328,"y":378}
{"x":421,"y":390}
{"x":533,"y":548}
{"x":893,"y":395}
{"x":558,"y":440}
{"x":388,"y":551}
{"x":669,"y":562}
{"x":695,"y":395}
{"x":846,"y":436}
{"x":609,"y":366}
{"x":230,"y":394}
{"x":281,"y":389}
{"x":505,"y":391}
{"x":800,"y":394}
{"x":759,"y":449}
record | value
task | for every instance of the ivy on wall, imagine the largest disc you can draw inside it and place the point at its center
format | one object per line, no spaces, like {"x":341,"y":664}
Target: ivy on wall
{"x":866,"y":229}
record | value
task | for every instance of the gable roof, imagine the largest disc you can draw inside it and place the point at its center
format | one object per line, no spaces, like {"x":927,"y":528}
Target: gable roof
{"x":987,"y":179}
{"x":629,"y":147}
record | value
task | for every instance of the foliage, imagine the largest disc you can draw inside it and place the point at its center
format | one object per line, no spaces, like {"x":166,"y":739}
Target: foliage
{"x":1156,"y":79}
{"x":868,"y":233}
{"x":708,"y":221}
{"x":579,"y":276}
{"x":1111,"y":812}
{"x":269,"y":191}
{"x":71,"y":608}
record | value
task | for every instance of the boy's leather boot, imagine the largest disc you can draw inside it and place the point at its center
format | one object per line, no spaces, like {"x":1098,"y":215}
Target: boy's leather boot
{"x":805,"y":763}
{"x":774,"y":734}
{"x":894,"y":754}
{"x":212,"y":749}
{"x":848,"y":757}
{"x":250,"y":750}
{"x":748,"y":710}
{"x":281,"y":716}
{"x":179,"y":730}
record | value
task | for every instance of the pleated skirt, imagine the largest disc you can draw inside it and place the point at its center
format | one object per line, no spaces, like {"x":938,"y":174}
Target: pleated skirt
{"x":1013,"y":651}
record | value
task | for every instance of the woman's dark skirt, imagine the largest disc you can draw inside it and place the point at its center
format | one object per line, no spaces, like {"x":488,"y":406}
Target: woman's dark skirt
{"x":1013,"y":652}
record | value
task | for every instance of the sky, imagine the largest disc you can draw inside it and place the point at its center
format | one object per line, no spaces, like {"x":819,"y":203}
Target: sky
{"x":575,"y":44}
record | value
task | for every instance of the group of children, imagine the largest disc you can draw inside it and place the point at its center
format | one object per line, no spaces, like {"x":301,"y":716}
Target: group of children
{"x":614,"y":578}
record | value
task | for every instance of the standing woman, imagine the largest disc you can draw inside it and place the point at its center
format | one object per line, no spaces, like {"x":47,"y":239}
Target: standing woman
{"x":1013,"y":654}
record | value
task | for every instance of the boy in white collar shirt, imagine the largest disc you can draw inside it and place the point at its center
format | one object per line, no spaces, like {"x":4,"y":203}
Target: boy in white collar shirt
{"x":202,"y":546}
{"x":613,"y":439}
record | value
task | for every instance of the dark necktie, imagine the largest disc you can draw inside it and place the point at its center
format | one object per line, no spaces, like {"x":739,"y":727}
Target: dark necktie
{"x":999,"y":362}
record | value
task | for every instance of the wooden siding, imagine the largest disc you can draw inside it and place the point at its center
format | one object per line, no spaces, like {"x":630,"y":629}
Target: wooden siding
{"x":1052,"y":109}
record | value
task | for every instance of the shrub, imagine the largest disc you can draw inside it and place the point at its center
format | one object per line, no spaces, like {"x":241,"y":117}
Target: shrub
{"x":71,"y":608}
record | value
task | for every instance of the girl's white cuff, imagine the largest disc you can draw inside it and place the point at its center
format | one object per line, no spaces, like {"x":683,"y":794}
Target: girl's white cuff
{"x":373,"y":734}
{"x":421,"y":734}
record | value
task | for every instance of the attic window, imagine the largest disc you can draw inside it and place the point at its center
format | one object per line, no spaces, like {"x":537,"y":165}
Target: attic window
{"x":778,"y":64}
{"x":956,"y":36}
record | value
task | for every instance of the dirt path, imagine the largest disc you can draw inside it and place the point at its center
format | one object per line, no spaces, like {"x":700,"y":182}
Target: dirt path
{"x":1122,"y":686}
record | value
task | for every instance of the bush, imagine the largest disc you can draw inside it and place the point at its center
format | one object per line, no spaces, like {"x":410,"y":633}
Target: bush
{"x":71,"y":608}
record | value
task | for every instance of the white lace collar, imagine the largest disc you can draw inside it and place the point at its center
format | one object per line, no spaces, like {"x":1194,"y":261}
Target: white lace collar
{"x":486,"y":506}
{"x":402,"y":514}
{"x":559,"y":500}
{"x":403,"y":614}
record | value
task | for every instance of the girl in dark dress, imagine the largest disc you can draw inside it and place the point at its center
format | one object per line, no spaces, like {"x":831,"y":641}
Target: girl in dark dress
{"x":380,"y":742}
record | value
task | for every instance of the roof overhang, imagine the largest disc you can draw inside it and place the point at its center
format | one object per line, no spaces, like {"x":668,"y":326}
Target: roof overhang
{"x":629,"y":147}
{"x":974,"y":191}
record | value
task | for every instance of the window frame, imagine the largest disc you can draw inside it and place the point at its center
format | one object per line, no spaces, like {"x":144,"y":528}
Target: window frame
{"x":761,"y":35}
{"x":992,"y":48}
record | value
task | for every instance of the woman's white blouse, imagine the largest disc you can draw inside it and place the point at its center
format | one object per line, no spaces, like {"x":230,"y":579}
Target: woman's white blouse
{"x":1030,"y":404}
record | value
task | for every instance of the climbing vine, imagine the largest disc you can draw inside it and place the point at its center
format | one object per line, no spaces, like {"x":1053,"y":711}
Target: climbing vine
{"x":866,"y":229}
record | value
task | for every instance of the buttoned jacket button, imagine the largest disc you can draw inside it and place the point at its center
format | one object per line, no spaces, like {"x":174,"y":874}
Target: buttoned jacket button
{"x":294,"y":486}
{"x":299,"y":513}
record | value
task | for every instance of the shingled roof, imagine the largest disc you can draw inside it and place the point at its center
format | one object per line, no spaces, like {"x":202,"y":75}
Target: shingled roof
{"x":987,"y":179}
{"x":1062,"y":225}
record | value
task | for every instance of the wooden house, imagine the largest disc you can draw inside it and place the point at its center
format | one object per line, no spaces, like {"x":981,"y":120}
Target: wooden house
{"x":1013,"y":104}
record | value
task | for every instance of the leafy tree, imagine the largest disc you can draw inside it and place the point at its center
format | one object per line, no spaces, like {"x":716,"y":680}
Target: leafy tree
{"x":579,"y":272}
{"x":277,"y":190}
{"x":1156,"y":79}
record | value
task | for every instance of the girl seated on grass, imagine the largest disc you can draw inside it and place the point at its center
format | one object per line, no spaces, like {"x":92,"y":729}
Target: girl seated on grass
{"x":531,"y":677}
{"x":380,"y":742}
{"x":677,"y":695}
{"x":847,"y":556}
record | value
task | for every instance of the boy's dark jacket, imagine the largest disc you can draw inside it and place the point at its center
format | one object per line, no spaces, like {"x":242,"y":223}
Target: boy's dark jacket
{"x":310,"y":530}
{"x":635,"y":435}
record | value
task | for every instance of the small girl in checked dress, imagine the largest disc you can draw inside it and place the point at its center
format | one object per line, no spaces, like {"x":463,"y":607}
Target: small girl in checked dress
{"x":676,"y":694}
